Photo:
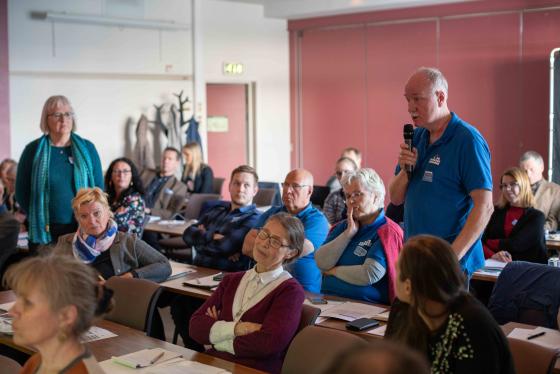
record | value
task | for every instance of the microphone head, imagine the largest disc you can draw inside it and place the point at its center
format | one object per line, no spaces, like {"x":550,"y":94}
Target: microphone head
{"x":408,"y":131}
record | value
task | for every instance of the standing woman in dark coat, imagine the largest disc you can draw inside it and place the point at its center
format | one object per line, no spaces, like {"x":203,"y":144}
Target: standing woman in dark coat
{"x":196,"y":175}
{"x":52,"y":169}
{"x":125,"y":190}
{"x":516,"y":229}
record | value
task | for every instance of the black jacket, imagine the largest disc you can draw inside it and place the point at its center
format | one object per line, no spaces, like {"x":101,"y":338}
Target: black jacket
{"x":526,"y":241}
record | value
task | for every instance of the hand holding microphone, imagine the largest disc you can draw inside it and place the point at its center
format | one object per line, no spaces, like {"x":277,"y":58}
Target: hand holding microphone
{"x":407,"y":156}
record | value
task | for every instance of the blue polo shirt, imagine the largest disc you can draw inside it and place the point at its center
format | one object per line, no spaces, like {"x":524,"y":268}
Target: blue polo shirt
{"x":316,"y":227}
{"x":365,"y":244}
{"x":437,"y":198}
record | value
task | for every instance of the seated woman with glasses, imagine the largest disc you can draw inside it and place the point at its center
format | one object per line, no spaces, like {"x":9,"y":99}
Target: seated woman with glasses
{"x":111,"y":252}
{"x":515,"y":230}
{"x":437,"y":316}
{"x":252,"y":316}
{"x":57,"y":299}
{"x":125,"y":190}
{"x":359,"y":255}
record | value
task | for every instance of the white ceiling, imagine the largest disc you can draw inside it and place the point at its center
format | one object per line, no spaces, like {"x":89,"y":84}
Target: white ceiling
{"x":296,"y":9}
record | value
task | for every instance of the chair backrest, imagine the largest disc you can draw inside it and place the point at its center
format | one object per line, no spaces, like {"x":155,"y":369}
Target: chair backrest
{"x":309,"y":315}
{"x":319,"y":195}
{"x":135,"y":302}
{"x":264,"y":197}
{"x":276,"y":187}
{"x":526,"y":293}
{"x":9,"y":366}
{"x":314,"y":347}
{"x":532,"y":358}
{"x":194,"y":205}
{"x":217,"y":184}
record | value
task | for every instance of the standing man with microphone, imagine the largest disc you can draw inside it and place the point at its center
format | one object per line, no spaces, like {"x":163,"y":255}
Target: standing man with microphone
{"x":448,"y":189}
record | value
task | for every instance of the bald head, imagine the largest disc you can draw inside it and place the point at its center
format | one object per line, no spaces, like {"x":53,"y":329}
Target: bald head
{"x":296,"y":190}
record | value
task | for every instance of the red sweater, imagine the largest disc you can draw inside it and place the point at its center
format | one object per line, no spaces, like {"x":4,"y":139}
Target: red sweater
{"x":279,"y":313}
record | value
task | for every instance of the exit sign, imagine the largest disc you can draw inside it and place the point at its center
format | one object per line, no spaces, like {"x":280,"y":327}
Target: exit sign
{"x":233,"y":68}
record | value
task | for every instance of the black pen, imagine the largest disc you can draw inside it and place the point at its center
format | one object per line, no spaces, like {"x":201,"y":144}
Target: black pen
{"x":536,"y":335}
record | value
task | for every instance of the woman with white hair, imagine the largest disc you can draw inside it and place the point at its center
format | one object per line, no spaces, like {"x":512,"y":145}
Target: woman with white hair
{"x":359,"y":255}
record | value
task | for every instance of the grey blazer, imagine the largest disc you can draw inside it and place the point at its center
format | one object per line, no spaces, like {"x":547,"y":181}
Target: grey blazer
{"x":128,"y":253}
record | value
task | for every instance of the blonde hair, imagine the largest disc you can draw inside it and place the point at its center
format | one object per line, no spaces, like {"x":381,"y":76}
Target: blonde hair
{"x":192,"y":169}
{"x":91,"y":195}
{"x":526,"y":198}
{"x":63,"y":281}
{"x":49,"y":105}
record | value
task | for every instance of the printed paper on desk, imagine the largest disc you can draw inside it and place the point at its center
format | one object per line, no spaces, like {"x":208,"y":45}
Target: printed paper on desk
{"x":96,"y":333}
{"x":178,"y":269}
{"x":350,"y":311}
{"x":550,"y":339}
{"x":6,"y":325}
{"x":382,"y":316}
{"x":323,"y":307}
{"x":184,"y":366}
{"x":143,"y":358}
{"x":379,"y":331}
{"x":492,"y":264}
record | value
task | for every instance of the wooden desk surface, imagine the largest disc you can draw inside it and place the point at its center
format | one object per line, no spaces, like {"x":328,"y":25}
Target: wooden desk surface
{"x":553,"y":244}
{"x":130,"y":340}
{"x":478,"y":275}
{"x":176,"y":285}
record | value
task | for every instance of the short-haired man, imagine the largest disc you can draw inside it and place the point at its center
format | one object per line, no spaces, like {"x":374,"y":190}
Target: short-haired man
{"x":547,"y":194}
{"x":449,"y":193}
{"x":335,"y":205}
{"x":219,"y":235}
{"x":164,"y":192}
{"x":296,"y":198}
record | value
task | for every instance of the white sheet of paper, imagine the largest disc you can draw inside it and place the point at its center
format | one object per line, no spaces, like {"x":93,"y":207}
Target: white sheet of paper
{"x":323,"y":307}
{"x":382,"y":316}
{"x":350,"y":311}
{"x":551,"y":338}
{"x":494,"y":264}
{"x":379,"y":330}
{"x":178,"y":269}
{"x":96,"y":333}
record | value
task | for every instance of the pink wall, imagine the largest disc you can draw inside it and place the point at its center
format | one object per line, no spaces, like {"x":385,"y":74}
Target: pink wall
{"x":353,"y":68}
{"x":4,"y":83}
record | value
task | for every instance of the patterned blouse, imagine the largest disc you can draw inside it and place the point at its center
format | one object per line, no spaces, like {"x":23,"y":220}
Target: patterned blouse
{"x":129,"y":213}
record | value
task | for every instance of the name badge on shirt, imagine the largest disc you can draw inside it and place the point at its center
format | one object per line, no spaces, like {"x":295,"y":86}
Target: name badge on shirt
{"x":428,"y":176}
{"x":360,"y":251}
{"x":435,"y":160}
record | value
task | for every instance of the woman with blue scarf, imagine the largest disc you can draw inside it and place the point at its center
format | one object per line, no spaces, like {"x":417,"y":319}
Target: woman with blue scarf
{"x":51,"y":170}
{"x":111,"y":252}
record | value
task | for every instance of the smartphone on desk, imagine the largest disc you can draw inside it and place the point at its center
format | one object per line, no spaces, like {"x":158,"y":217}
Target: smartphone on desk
{"x":317,"y":300}
{"x":361,"y":324}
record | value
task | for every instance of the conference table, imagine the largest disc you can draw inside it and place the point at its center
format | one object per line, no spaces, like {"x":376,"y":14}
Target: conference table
{"x":129,"y":340}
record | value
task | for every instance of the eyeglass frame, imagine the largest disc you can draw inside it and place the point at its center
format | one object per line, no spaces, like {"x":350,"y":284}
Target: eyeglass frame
{"x":121,"y":172}
{"x":61,"y":115}
{"x":509,"y":186}
{"x":269,"y":238}
{"x":293,"y":186}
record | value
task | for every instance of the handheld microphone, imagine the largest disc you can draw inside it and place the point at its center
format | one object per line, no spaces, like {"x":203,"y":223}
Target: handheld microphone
{"x":408,"y":133}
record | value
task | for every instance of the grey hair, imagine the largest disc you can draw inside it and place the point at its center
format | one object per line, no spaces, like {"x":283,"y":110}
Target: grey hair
{"x":369,"y":180}
{"x":52,"y":102}
{"x":531,"y":155}
{"x":436,"y":78}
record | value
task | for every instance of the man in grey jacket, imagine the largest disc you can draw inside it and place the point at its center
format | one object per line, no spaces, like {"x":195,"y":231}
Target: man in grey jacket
{"x":547,"y":194}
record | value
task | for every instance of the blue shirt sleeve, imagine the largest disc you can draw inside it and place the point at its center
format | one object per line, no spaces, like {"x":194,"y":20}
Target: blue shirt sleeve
{"x":475,"y":169}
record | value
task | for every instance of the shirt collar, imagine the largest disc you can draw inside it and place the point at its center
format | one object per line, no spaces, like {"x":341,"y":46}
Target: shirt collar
{"x":266,"y":277}
{"x":246,"y":208}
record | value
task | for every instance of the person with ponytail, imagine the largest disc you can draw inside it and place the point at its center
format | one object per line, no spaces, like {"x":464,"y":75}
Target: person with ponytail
{"x":57,"y":300}
{"x":436,"y":315}
{"x":51,"y":170}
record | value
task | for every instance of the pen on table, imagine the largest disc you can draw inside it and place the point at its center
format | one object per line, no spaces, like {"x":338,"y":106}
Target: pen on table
{"x":158,"y":356}
{"x":536,"y":335}
{"x":100,"y":277}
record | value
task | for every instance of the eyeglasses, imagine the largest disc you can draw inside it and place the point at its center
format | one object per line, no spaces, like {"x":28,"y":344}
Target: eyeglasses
{"x":121,"y":172}
{"x":293,"y":186}
{"x":274,"y":241}
{"x":354,"y":195}
{"x":509,"y":186}
{"x":342,"y":172}
{"x":60,"y":115}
